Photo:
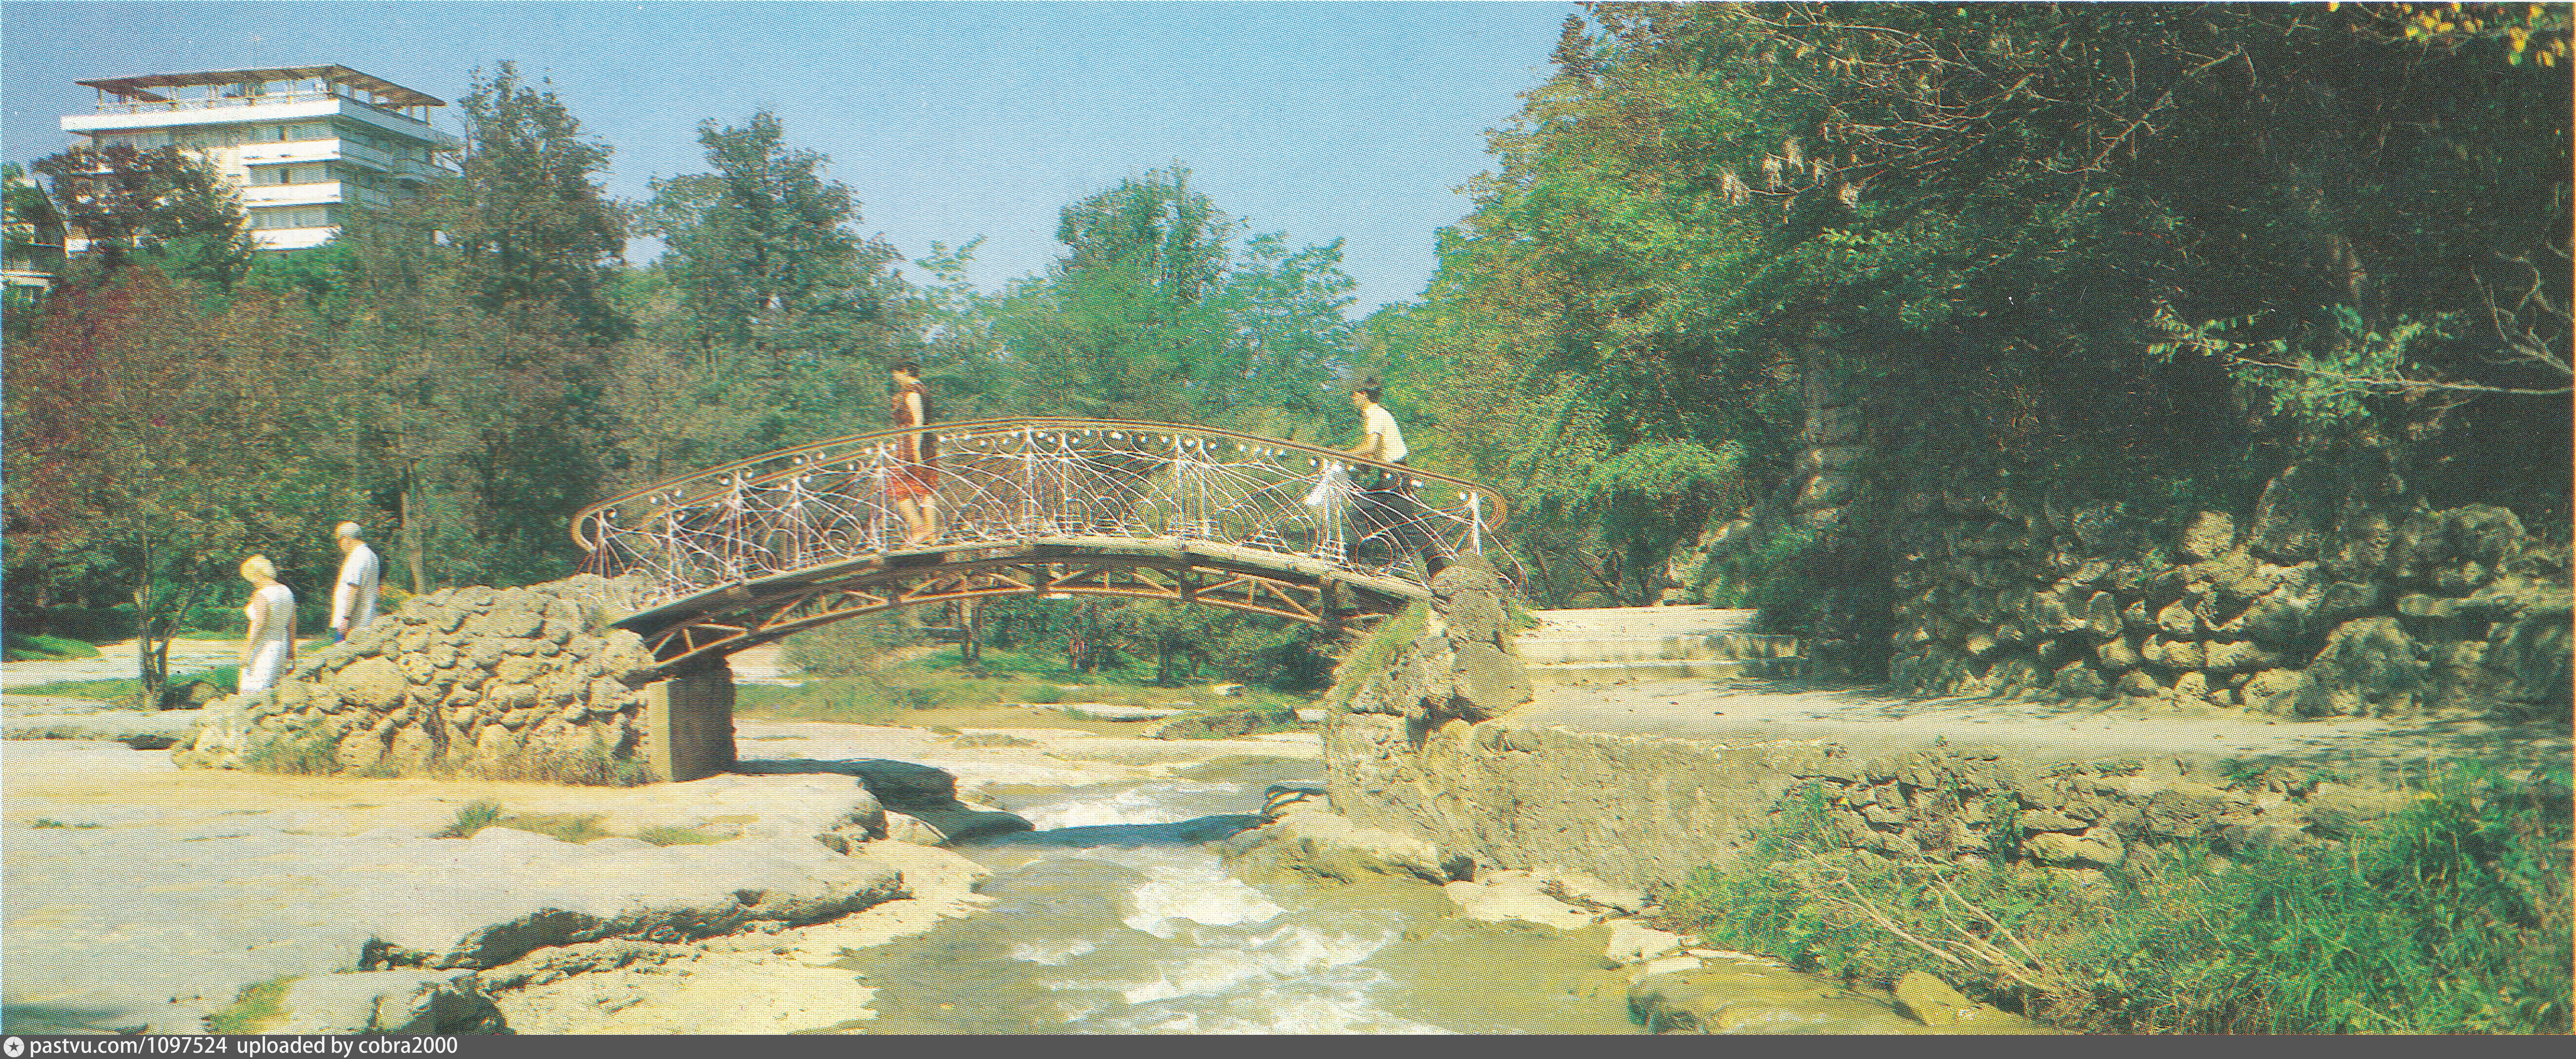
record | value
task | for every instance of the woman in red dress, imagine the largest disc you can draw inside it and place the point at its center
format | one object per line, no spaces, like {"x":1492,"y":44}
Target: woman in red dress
{"x":910,"y":482}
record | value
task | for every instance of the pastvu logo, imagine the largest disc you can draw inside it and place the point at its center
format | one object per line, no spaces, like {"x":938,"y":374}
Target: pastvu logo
{"x":13,"y":1047}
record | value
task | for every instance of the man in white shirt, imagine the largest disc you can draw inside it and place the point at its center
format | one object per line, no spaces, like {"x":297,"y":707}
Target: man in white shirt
{"x":1390,"y":507}
{"x":353,"y":599}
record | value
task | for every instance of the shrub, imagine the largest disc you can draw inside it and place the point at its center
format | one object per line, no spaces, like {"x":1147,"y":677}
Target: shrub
{"x":473,"y":817}
{"x":2451,"y":917}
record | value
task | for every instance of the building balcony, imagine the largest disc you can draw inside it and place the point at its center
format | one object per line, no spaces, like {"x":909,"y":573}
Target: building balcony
{"x":292,"y":151}
{"x":319,"y":194}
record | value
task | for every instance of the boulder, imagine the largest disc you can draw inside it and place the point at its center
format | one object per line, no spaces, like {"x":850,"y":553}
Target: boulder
{"x":2206,"y":534}
{"x":2095,"y":848}
{"x":1634,"y":942}
{"x":1931,"y":1001}
{"x":371,"y":684}
{"x":2369,"y":665}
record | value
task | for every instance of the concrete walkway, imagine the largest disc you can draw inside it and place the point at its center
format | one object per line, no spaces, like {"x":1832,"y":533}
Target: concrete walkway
{"x":1873,"y":722}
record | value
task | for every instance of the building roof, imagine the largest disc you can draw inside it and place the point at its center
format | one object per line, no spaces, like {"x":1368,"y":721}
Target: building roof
{"x":140,"y":87}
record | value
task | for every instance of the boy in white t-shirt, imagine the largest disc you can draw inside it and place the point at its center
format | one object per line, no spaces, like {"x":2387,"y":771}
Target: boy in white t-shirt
{"x":1390,"y":507}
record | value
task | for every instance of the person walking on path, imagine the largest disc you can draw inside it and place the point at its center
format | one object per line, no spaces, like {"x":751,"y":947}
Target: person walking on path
{"x":1389,"y":507}
{"x":270,"y":647}
{"x":353,"y":597}
{"x":911,"y":482}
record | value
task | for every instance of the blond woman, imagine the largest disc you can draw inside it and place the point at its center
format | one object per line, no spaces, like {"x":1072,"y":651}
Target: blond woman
{"x":270,"y":648}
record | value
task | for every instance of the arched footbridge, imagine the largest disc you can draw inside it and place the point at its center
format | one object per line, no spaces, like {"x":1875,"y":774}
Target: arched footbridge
{"x":750,"y":552}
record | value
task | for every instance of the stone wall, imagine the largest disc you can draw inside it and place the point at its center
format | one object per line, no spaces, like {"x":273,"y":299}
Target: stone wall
{"x":1643,"y":810}
{"x":504,"y":683}
{"x":2337,"y":594}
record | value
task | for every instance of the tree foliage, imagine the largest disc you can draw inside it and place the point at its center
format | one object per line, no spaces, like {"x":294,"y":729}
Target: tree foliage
{"x":2121,"y":250}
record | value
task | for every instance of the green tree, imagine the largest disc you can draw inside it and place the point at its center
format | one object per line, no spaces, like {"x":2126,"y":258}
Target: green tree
{"x":153,"y":445}
{"x":164,"y":205}
{"x":536,"y":231}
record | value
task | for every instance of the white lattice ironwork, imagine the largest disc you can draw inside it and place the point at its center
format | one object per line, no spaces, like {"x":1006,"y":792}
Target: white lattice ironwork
{"x":1056,"y":506}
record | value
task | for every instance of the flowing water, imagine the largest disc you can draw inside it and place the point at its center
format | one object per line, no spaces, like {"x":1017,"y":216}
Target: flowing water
{"x":1108,"y":920}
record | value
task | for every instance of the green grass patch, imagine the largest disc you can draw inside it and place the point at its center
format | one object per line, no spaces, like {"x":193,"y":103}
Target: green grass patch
{"x":258,"y":1007}
{"x":472,"y":817}
{"x":224,"y":677}
{"x":2451,"y":917}
{"x":481,"y":813}
{"x":38,"y":646}
{"x":675,"y":835}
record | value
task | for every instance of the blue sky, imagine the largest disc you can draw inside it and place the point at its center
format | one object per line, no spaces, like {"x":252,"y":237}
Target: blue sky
{"x":950,"y":120}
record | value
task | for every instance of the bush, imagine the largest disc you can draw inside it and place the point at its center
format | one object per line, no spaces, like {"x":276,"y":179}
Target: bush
{"x":2452,"y":917}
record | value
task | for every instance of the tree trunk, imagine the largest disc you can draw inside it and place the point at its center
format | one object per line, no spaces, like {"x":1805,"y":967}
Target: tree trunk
{"x":411,"y":542}
{"x":970,"y":644}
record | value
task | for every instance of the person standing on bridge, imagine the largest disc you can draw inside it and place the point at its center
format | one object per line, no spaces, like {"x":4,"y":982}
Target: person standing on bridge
{"x":353,"y":597}
{"x":270,"y":646}
{"x":910,"y":482}
{"x":1389,"y":507}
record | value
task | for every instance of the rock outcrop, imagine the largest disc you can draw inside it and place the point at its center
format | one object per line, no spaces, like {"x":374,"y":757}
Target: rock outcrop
{"x":1462,"y":666}
{"x":520,"y":683}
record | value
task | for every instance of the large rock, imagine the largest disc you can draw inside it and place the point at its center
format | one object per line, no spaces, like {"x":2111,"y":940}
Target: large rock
{"x":1931,"y":1001}
{"x":372,"y":684}
{"x":2369,"y":666}
{"x":1310,"y":838}
{"x":1516,"y":896}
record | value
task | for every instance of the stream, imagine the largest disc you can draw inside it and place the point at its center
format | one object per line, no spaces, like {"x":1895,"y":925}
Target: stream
{"x":1108,"y":921}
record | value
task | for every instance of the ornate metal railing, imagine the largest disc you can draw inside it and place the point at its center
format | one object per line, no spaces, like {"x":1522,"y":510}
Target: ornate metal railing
{"x":1007,"y":480}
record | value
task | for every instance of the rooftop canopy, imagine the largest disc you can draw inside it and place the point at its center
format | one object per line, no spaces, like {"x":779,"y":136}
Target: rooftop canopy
{"x":142,"y":87}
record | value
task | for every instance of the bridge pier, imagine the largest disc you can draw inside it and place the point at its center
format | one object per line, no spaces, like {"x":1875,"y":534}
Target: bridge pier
{"x":688,"y":724}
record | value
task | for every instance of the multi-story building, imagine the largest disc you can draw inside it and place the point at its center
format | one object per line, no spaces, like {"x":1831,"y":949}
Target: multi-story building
{"x":304,"y":143}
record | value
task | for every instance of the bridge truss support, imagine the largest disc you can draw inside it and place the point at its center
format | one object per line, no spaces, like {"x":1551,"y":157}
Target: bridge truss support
{"x":688,"y":721}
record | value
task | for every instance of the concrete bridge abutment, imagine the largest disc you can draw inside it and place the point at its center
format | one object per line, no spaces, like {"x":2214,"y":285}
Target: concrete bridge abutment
{"x":688,"y":724}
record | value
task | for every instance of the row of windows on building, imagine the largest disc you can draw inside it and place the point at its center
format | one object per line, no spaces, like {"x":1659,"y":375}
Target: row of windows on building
{"x":319,"y":173}
{"x":237,"y":135}
{"x":300,"y":217}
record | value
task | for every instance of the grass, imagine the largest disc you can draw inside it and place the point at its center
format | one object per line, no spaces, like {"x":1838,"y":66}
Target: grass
{"x":2452,"y":917}
{"x":481,"y":813}
{"x":224,"y":677}
{"x":47,"y":823}
{"x":48,"y":648}
{"x":1376,"y":653}
{"x":256,"y":1008}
